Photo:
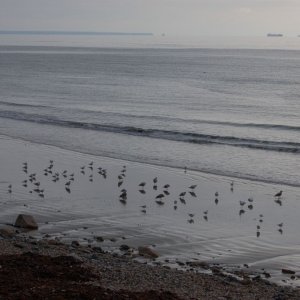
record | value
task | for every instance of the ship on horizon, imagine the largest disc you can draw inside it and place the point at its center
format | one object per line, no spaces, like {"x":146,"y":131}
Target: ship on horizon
{"x":274,"y":35}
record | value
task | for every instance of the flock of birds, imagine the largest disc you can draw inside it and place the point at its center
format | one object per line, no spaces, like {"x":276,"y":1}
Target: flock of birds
{"x":34,"y":185}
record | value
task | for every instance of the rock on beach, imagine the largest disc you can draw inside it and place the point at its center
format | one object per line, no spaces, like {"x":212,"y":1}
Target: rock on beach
{"x":26,"y":221}
{"x":7,"y":232}
{"x":147,"y":252}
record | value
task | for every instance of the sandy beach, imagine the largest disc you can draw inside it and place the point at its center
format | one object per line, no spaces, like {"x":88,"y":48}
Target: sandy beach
{"x":232,"y":225}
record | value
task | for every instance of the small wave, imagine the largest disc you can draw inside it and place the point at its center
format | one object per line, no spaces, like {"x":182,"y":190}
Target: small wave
{"x":21,"y":104}
{"x":209,"y":122}
{"x":174,"y":119}
{"x":187,"y":137}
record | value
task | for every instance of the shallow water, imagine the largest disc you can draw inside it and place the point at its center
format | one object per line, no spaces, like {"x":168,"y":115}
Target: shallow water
{"x":92,"y":208}
{"x":232,"y":112}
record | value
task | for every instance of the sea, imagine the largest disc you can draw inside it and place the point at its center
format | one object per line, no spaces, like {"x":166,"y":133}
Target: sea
{"x":222,"y":106}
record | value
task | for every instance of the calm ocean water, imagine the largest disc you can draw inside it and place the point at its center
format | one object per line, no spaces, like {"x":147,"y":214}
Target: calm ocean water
{"x":234,"y":112}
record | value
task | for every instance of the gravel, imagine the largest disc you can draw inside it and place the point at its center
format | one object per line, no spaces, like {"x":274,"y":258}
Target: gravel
{"x":120,"y":273}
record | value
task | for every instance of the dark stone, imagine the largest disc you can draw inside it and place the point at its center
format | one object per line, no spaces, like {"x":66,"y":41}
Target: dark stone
{"x":26,"y":221}
{"x":201,"y":264}
{"x":124,"y":248}
{"x":287,"y":271}
{"x":7,"y":232}
{"x":75,"y":244}
{"x":147,"y":252}
{"x":98,"y":249}
{"x":99,"y":239}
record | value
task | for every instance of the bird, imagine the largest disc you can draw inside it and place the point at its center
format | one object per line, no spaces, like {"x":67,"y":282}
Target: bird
{"x":193,"y":186}
{"x":280,"y":224}
{"x":191,"y":215}
{"x":216,"y":194}
{"x":191,"y":221}
{"x":193,"y":194}
{"x":123,"y":197}
{"x":166,"y":186}
{"x":279,"y":194}
{"x":241,"y":212}
{"x":142,"y":184}
{"x":155,"y":180}
{"x":159,"y":202}
{"x":250,"y":199}
{"x":159,"y":196}
{"x":182,"y":194}
{"x":123,"y":193}
{"x":182,"y":200}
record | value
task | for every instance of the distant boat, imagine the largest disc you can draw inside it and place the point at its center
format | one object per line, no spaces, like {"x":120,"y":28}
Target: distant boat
{"x":274,"y":35}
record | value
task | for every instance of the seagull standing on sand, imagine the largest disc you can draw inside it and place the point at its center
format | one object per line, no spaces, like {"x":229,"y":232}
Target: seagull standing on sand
{"x":279,"y":194}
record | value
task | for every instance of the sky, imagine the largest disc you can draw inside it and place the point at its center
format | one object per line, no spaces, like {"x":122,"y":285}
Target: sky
{"x":172,"y":17}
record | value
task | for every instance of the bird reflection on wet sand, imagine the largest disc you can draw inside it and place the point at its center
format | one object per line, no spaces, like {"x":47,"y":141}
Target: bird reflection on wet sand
{"x":160,"y":193}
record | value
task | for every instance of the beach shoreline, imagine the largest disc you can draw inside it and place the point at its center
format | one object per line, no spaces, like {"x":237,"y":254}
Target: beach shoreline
{"x":40,"y":269}
{"x":219,"y":233}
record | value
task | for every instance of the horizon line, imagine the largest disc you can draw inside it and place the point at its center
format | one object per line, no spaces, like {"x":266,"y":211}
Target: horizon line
{"x":63,"y":32}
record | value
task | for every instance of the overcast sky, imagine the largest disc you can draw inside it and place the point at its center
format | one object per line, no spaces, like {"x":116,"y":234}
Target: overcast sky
{"x":173,"y":17}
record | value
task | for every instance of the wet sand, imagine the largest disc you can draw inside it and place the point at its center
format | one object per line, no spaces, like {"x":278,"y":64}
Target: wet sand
{"x":239,"y":228}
